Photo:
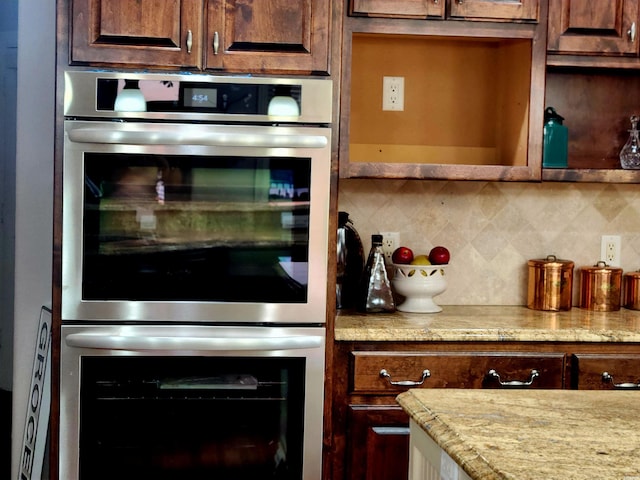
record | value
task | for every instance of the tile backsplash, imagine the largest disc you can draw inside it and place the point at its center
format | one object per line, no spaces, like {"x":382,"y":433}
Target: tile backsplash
{"x":493,"y":228}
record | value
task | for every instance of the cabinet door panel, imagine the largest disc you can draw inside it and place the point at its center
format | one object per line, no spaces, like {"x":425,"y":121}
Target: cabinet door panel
{"x":145,"y":32}
{"x":274,"y":35}
{"x":379,"y":443}
{"x":496,"y":9}
{"x":399,"y":8}
{"x":452,"y":370}
{"x":585,"y":26}
{"x":587,"y":371}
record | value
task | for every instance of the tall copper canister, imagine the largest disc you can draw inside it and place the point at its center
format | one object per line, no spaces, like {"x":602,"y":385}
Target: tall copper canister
{"x":600,"y":287}
{"x":631,"y":290}
{"x":550,"y":284}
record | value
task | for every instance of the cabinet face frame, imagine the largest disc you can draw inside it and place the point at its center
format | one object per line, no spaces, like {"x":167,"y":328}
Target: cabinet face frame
{"x":532,"y":171}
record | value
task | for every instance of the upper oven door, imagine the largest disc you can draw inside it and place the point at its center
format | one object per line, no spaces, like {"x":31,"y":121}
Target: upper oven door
{"x":194,"y":222}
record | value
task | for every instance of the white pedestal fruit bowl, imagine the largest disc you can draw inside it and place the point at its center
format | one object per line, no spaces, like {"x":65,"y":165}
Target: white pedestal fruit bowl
{"x":418,"y":284}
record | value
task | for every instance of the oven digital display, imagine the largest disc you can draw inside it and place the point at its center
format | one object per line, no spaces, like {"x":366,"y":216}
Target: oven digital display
{"x":201,"y":97}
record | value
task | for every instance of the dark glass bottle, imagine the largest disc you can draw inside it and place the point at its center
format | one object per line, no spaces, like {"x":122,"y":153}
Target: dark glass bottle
{"x":350,"y":262}
{"x":376,"y":295}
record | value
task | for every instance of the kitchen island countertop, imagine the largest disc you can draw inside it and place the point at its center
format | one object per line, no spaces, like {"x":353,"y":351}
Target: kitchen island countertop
{"x":492,"y":324}
{"x":532,"y":434}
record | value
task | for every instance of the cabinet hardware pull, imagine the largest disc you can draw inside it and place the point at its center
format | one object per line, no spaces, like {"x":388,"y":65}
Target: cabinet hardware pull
{"x":632,"y":32}
{"x":405,"y":383}
{"x":189,"y":41}
{"x":607,"y":377}
{"x":514,"y":383}
{"x":216,"y":42}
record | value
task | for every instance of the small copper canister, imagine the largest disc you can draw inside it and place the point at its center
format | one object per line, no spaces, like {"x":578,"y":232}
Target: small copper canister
{"x":631,"y":290}
{"x":550,"y":284}
{"x":600,"y":287}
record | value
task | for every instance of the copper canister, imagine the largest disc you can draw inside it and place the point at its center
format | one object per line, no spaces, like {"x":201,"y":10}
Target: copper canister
{"x":550,"y":284}
{"x":600,"y":287}
{"x":631,"y":290}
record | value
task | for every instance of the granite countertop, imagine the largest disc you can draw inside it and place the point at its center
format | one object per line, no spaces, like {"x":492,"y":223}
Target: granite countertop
{"x":491,"y":323}
{"x":532,"y":434}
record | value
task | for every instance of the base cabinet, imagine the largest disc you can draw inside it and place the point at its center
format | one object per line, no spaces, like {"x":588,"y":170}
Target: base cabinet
{"x":378,"y":442}
{"x":370,"y":430}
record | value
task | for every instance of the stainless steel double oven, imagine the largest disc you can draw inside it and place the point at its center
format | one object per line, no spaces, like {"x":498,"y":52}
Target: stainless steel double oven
{"x":194,"y":276}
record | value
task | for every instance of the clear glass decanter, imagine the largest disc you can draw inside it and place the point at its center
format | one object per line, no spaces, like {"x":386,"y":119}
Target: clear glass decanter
{"x":630,"y":153}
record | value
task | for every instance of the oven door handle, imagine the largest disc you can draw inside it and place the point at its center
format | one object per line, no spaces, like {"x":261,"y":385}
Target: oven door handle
{"x":134,"y":343}
{"x":151,"y":136}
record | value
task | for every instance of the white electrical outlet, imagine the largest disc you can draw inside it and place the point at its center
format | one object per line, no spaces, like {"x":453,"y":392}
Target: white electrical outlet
{"x":390,"y":241}
{"x":393,"y":93}
{"x":610,"y":250}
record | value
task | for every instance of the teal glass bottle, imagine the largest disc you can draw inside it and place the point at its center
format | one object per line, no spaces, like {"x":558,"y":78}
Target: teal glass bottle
{"x":556,"y":140}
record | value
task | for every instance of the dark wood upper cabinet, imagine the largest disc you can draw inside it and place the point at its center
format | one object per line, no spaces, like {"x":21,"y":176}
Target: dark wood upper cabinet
{"x":495,"y":10}
{"x":588,"y":27}
{"x":259,"y":35}
{"x":398,"y":8}
{"x":522,"y":10}
{"x":285,"y":36}
{"x":137,"y":32}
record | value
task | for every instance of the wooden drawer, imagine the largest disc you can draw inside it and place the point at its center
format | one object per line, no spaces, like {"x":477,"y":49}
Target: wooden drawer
{"x":587,"y":371}
{"x":452,"y":370}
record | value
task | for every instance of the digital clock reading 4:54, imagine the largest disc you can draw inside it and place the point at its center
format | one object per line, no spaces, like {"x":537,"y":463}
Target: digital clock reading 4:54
{"x":201,"y":97}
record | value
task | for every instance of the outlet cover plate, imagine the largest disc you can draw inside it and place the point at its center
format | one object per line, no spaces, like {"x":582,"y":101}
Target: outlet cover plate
{"x":390,"y":241}
{"x":610,"y":248}
{"x":393,"y":93}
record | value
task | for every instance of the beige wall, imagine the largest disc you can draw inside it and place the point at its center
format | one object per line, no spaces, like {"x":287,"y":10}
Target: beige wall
{"x":492,"y":229}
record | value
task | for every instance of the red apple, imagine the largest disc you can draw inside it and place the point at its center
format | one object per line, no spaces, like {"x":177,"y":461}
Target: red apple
{"x":402,"y":255}
{"x":439,"y":256}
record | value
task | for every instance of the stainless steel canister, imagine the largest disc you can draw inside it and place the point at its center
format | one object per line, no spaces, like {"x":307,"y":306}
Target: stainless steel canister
{"x":550,"y":284}
{"x":600,"y":287}
{"x":631,"y":290}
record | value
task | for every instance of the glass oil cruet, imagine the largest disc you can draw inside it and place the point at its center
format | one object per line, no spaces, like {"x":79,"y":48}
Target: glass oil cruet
{"x":630,"y":153}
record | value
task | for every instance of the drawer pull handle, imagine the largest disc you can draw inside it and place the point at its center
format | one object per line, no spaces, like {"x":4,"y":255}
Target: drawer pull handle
{"x":405,"y":383}
{"x":514,"y":383}
{"x":216,"y":43}
{"x":189,"y":40}
{"x":607,"y":377}
{"x":632,"y":33}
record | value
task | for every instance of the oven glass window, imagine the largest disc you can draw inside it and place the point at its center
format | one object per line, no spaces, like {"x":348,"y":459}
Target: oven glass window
{"x":195,"y":228}
{"x":173,"y":418}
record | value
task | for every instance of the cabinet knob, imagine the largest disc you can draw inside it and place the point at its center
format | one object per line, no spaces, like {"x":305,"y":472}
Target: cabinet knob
{"x":216,"y":43}
{"x":632,"y":32}
{"x":514,"y":383}
{"x":607,"y":377}
{"x":405,"y":383}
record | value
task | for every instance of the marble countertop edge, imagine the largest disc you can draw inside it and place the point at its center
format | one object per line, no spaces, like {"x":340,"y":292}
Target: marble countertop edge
{"x":472,"y":462}
{"x":491,"y":324}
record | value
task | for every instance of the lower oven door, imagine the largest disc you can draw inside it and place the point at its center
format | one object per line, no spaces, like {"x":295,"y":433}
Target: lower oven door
{"x":197,"y":402}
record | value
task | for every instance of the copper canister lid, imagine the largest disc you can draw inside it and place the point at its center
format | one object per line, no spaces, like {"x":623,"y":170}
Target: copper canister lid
{"x":600,"y":287}
{"x":550,"y":262}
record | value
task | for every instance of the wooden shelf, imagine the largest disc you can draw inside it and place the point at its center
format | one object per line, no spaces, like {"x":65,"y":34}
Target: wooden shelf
{"x":593,"y":175}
